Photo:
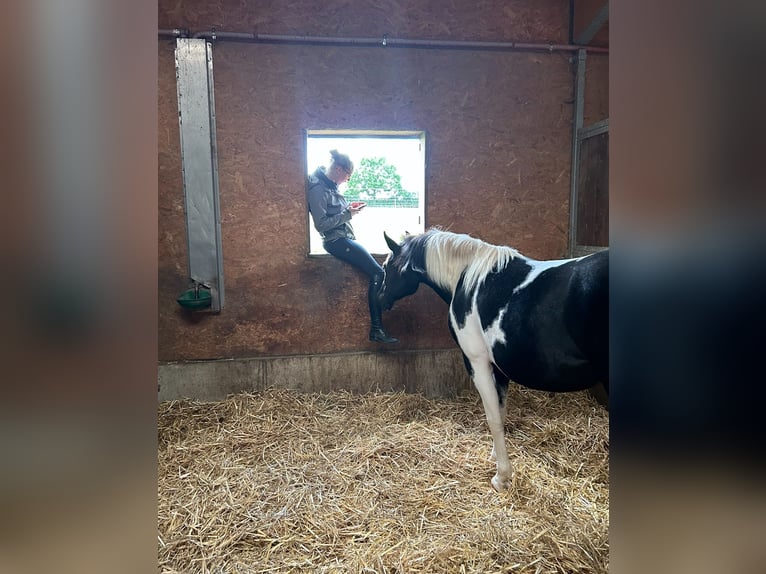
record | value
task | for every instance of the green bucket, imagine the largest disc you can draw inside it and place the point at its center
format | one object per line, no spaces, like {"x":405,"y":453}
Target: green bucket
{"x":198,"y":298}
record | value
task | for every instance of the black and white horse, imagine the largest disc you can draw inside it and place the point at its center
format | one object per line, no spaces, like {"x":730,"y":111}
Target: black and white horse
{"x":541,"y":324}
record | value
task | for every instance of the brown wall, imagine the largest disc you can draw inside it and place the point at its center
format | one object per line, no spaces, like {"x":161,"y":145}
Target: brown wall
{"x":499,"y":141}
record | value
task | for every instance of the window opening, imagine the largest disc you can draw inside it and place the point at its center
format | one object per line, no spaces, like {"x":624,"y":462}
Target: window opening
{"x":389,"y":176}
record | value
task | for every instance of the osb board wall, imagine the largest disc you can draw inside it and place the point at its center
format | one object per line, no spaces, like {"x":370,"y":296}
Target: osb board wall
{"x":502,"y":20}
{"x":499,"y":134}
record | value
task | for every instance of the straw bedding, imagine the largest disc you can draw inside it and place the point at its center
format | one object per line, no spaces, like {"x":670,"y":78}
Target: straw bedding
{"x":383,"y":483}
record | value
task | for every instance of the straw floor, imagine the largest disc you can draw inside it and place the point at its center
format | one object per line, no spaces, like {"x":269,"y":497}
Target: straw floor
{"x":336,"y":483}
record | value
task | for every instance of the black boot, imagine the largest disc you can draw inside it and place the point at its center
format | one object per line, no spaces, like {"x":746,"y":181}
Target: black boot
{"x":377,"y":333}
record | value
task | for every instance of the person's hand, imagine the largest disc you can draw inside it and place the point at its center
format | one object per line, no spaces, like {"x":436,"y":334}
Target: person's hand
{"x":355,"y":207}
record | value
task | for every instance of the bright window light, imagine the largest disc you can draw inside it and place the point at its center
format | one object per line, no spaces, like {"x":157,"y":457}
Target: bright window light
{"x":389,"y":175}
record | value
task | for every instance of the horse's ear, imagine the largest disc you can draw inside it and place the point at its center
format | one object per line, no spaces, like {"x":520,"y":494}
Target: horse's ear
{"x":392,"y":245}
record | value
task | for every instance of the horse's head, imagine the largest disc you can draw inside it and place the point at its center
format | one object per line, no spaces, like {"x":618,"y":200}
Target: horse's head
{"x":403,"y":273}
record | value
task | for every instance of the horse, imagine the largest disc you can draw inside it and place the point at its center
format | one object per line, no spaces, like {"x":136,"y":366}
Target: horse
{"x":541,"y":324}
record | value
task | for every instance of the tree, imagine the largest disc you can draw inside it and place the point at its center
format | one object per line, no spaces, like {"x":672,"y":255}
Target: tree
{"x":379,"y":184}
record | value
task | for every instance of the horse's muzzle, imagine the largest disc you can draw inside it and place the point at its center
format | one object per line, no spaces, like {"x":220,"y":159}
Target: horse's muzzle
{"x":385,"y":303}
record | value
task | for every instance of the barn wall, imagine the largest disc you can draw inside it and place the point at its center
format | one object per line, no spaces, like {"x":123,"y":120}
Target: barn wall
{"x":499,"y":134}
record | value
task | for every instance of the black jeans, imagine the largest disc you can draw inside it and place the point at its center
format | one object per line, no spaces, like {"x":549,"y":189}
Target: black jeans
{"x":352,"y":252}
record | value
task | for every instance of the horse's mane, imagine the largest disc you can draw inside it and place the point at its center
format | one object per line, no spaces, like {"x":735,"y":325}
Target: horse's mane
{"x":449,"y":255}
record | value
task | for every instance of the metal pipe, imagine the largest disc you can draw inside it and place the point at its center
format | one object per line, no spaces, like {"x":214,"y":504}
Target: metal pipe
{"x":174,"y":33}
{"x":393,"y":42}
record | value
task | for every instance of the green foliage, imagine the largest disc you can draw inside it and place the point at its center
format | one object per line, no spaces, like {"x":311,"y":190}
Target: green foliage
{"x":379,"y":184}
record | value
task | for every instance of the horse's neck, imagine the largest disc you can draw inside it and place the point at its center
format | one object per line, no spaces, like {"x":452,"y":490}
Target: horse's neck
{"x":442,"y":292}
{"x":444,"y":274}
{"x":446,"y":279}
{"x":451,"y":263}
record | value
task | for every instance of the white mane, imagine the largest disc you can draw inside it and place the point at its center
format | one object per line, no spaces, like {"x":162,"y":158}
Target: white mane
{"x":449,"y":255}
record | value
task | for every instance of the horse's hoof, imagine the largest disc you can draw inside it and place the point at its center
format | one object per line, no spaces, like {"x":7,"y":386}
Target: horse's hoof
{"x":499,"y":484}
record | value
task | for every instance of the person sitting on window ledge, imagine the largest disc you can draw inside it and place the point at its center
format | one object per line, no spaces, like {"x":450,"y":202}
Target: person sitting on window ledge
{"x":332,"y":219}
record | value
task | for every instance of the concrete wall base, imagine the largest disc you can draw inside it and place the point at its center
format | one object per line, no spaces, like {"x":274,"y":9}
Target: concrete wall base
{"x":434,"y":374}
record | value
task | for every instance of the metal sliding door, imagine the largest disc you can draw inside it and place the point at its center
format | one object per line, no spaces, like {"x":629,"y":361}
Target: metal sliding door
{"x":196,"y":116}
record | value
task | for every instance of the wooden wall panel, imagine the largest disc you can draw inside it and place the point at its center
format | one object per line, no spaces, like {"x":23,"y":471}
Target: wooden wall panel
{"x":517,"y":20}
{"x":593,"y":199}
{"x":499,"y":137}
{"x":596,"y":89}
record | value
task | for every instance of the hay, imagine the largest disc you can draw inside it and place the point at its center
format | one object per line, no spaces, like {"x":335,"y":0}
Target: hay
{"x":335,"y":483}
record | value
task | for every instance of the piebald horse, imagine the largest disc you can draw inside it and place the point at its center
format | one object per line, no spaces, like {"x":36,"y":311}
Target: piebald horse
{"x":541,"y":324}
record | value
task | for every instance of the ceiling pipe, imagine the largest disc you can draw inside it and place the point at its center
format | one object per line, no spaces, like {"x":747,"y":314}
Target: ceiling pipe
{"x":393,"y":42}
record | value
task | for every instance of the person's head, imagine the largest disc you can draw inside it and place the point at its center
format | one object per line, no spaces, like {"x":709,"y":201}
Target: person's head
{"x":341,"y":167}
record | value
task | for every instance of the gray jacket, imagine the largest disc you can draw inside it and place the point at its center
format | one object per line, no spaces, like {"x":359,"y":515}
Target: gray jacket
{"x":329,"y":209}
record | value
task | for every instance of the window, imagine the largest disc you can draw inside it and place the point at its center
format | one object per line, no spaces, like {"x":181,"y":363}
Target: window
{"x":389,"y":175}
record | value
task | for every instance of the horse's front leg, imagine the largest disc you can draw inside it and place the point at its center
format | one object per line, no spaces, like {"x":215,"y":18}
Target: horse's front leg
{"x":494,"y":410}
{"x":501,"y":386}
